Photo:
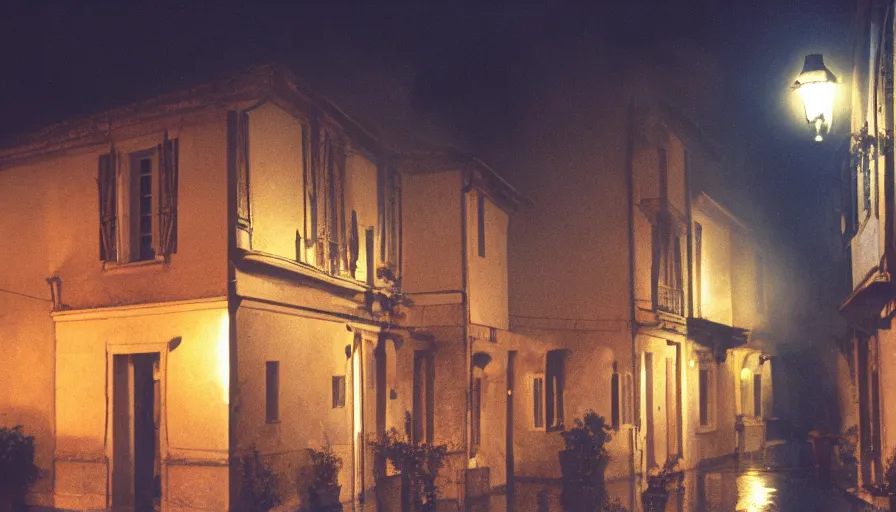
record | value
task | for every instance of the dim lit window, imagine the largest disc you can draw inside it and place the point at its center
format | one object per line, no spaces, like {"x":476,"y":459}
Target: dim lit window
{"x":338,"y":391}
{"x":147,"y":190}
{"x":537,"y":387}
{"x":620,"y":398}
{"x":706,"y":394}
{"x":480,"y":223}
{"x":272,"y":391}
{"x":555,"y":382}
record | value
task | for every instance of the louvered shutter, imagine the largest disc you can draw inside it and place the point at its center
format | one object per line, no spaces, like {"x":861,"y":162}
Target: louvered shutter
{"x":168,"y":164}
{"x":108,"y":207}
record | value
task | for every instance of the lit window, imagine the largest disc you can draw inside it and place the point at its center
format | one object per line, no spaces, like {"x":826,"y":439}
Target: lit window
{"x":272,"y":391}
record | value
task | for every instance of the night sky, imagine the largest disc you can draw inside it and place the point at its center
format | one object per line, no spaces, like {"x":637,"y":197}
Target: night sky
{"x":460,"y":72}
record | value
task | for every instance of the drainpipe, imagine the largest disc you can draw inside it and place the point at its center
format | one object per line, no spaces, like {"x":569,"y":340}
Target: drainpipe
{"x":629,"y":185}
{"x":468,"y":345}
{"x":232,"y":301}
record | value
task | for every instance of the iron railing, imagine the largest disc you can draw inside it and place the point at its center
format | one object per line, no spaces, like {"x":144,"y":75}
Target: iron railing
{"x":669,"y":299}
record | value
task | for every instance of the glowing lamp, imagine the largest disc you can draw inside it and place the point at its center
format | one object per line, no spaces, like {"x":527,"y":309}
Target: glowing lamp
{"x":816,"y":86}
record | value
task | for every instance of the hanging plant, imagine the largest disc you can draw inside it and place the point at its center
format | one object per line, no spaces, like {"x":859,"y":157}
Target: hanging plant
{"x":885,"y":142}
{"x":863,"y":143}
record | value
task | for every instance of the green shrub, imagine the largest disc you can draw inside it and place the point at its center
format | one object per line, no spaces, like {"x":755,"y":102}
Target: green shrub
{"x":259,"y":484}
{"x":326,"y":465}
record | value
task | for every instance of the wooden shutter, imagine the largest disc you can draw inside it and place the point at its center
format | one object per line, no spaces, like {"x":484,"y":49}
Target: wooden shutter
{"x":168,"y":197}
{"x":108,"y":203}
{"x":354,"y":245}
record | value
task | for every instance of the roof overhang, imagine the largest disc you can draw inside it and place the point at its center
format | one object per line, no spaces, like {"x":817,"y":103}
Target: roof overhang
{"x":715,"y":336}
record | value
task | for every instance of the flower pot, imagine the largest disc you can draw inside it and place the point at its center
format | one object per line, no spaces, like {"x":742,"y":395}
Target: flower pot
{"x":654,"y":500}
{"x":325,"y":498}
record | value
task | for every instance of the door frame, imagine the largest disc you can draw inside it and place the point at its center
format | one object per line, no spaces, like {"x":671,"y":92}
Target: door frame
{"x":113,"y":350}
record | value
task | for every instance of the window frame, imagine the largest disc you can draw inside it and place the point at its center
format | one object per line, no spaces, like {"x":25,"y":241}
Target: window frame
{"x":536,"y":415}
{"x":338,"y":392}
{"x":705,"y":363}
{"x":272,"y":392}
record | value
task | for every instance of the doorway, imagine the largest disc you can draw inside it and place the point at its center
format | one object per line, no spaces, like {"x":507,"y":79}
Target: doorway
{"x":136,"y":405}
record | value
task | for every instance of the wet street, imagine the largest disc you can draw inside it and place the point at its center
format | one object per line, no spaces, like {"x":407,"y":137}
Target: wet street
{"x":750,"y":489}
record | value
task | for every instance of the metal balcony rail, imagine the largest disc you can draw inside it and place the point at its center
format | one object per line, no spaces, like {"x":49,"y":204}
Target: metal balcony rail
{"x":669,"y":299}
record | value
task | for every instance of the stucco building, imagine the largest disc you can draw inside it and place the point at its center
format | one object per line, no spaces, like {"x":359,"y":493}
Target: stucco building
{"x":218,"y":270}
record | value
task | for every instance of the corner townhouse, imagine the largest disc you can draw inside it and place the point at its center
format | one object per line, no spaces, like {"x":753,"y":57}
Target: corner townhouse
{"x":222,"y":270}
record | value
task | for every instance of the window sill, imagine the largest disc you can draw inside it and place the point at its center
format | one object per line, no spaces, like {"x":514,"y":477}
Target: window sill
{"x":706,"y":430}
{"x":122,"y":267}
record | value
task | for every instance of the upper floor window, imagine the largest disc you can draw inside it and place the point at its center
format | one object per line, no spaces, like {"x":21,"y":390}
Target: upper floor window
{"x":138,"y":203}
{"x":480,"y":223}
{"x":667,"y":275}
{"x":620,"y":399}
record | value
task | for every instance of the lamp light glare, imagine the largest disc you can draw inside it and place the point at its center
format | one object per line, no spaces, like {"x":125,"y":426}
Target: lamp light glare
{"x":816,"y":86}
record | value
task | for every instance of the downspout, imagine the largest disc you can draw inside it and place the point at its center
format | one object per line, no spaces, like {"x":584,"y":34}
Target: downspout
{"x":468,"y":345}
{"x":636,"y":384}
{"x":232,"y":303}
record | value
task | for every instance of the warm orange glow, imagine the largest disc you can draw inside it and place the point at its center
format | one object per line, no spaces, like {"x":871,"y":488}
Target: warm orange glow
{"x":223,"y":353}
{"x":752,"y":493}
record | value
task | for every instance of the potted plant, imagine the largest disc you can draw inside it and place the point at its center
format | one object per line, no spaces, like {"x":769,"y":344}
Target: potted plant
{"x":659,"y":482}
{"x":18,"y":472}
{"x":418,"y":464}
{"x":584,"y":459}
{"x":325,"y":489}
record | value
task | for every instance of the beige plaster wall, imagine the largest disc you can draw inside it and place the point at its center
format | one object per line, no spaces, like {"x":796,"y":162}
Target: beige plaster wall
{"x":276,"y":180}
{"x":310,"y":352}
{"x":50,"y":204}
{"x":487,"y":276}
{"x":431,"y":232}
{"x":716,"y":270}
{"x":195,"y":407}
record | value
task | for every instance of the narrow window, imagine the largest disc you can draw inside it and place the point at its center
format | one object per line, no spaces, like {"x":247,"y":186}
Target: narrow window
{"x":757,"y":395}
{"x":760,"y":282}
{"x":338,"y":391}
{"x":480,"y":220}
{"x":108,"y":202}
{"x":538,"y":401}
{"x":492,"y":334}
{"x":554,"y":384}
{"x":272,"y":391}
{"x":698,"y":270}
{"x":615,"y":401}
{"x":476,"y":413}
{"x":704,"y":397}
{"x":663,"y":165}
{"x":142,"y":209}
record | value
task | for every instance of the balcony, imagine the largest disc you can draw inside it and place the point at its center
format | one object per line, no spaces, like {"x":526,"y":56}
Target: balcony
{"x":669,"y":300}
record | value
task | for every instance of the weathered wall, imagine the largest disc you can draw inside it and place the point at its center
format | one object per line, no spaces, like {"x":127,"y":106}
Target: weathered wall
{"x":431,"y":232}
{"x":51,"y":206}
{"x":487,"y":276}
{"x":194,"y":411}
{"x":310,"y":351}
{"x":276,"y":186}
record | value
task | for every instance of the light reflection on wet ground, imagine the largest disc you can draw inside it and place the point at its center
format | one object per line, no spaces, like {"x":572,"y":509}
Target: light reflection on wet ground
{"x":724,"y":490}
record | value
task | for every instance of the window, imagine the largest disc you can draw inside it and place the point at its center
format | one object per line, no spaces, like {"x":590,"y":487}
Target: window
{"x":698,"y":270}
{"x":757,"y":395}
{"x":325,"y":198}
{"x":627,"y":399}
{"x":538,"y":401}
{"x":554,"y":384}
{"x":480,"y":222}
{"x":476,"y":413}
{"x":615,"y":408}
{"x":706,"y":394}
{"x":272,"y":391}
{"x":338,"y":391}
{"x":146,"y":228}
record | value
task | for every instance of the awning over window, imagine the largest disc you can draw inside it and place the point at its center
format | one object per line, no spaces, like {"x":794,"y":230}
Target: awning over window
{"x":715,"y":336}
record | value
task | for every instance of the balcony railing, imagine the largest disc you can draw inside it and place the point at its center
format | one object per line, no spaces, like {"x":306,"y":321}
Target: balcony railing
{"x":669,"y":300}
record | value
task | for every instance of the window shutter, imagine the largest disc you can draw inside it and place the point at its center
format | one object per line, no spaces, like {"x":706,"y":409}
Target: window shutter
{"x":243,"y":207}
{"x":168,"y":197}
{"x":108,"y":206}
{"x":354,"y":245}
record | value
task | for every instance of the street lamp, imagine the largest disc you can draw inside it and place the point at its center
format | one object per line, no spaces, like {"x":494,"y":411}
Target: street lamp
{"x":816,"y":86}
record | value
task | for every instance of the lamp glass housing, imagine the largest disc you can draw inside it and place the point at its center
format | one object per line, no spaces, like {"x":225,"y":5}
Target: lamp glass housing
{"x":816,"y":86}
